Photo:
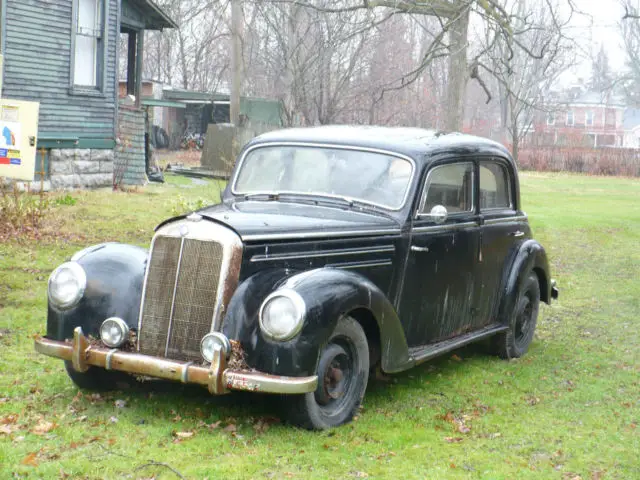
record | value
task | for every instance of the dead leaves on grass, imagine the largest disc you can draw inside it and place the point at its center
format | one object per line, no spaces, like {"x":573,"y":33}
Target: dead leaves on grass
{"x":43,"y":427}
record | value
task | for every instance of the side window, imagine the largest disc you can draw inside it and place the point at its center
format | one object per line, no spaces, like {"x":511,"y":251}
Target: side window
{"x":494,"y":186}
{"x":450,"y":186}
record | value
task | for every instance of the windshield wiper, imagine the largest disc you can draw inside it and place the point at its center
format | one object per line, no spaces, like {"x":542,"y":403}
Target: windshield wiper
{"x":265,"y":196}
{"x":341,"y":200}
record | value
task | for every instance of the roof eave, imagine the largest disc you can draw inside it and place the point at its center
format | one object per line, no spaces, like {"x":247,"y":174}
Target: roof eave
{"x":165,"y":20}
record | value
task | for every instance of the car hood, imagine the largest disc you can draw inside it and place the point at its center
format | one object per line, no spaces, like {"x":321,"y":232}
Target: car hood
{"x":255,"y":220}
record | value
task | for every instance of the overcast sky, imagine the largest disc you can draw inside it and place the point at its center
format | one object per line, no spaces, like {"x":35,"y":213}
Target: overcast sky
{"x":600,"y":26}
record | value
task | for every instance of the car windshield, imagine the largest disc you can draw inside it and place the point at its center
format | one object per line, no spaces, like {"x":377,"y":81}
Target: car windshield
{"x":370,"y":177}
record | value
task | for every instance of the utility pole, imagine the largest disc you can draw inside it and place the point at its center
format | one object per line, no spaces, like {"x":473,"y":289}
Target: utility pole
{"x":236,"y":61}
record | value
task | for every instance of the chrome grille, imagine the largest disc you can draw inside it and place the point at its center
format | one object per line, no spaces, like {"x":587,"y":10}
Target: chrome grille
{"x":180,"y":296}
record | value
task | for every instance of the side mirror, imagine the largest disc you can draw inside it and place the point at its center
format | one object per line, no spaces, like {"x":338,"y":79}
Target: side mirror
{"x":439,"y":214}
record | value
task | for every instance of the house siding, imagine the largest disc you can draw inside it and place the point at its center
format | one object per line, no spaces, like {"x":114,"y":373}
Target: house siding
{"x":37,"y":52}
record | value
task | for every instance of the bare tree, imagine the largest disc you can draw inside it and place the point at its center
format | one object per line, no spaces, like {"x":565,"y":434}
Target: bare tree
{"x":524,"y":64}
{"x":309,"y":61}
{"x":630,"y":29}
{"x":194,"y":56}
{"x":453,"y":17}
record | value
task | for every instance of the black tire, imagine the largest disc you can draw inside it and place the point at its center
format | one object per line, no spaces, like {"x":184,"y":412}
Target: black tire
{"x":97,"y":379}
{"x":515,"y":342}
{"x":343,"y":371}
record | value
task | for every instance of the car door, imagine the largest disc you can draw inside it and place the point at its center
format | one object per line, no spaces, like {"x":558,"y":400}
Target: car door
{"x":438,"y":284}
{"x":502,"y":228}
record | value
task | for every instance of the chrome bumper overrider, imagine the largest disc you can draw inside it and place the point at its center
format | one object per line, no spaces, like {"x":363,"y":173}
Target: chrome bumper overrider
{"x":217,"y":377}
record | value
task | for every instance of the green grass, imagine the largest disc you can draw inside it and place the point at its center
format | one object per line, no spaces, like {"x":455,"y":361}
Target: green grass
{"x":569,"y":409}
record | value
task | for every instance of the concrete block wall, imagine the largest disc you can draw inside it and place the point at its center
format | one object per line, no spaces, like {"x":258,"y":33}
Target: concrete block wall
{"x":80,"y":168}
{"x":130,"y":153}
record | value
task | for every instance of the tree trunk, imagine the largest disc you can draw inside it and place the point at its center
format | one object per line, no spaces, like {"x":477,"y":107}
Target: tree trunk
{"x":458,"y":74}
{"x":236,"y":62}
{"x":515,"y":138}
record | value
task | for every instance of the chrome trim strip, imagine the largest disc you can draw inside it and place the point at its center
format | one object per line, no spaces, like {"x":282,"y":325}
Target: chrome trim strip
{"x":173,"y":299}
{"x":316,"y":234}
{"x":144,"y":291}
{"x":321,"y":253}
{"x":497,"y":221}
{"x":414,"y":168}
{"x":381,"y":263}
{"x":446,"y":228}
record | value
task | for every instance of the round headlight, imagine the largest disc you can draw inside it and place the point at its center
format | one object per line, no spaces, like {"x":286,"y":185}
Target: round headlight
{"x":209,"y":343}
{"x":282,"y":315}
{"x":113,"y":332}
{"x":66,"y":285}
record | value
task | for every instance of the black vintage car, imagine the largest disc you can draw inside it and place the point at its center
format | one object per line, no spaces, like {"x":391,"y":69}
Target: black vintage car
{"x":335,"y":251}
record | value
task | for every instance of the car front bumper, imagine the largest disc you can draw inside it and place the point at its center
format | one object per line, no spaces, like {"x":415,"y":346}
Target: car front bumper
{"x":217,"y":377}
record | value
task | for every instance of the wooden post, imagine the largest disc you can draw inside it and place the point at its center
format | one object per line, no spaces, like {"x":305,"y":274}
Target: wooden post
{"x":131,"y":63}
{"x":139,"y":60}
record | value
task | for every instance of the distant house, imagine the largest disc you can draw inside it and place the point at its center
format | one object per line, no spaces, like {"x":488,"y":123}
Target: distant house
{"x":584,"y":119}
{"x":632,"y":128}
{"x":64,"y":54}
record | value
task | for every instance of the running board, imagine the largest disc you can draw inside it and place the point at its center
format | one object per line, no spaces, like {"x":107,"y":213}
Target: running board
{"x":427,"y":352}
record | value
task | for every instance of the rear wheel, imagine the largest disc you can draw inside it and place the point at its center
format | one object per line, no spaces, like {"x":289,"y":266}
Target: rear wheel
{"x":515,"y":342}
{"x":343,"y":370}
{"x":98,"y":379}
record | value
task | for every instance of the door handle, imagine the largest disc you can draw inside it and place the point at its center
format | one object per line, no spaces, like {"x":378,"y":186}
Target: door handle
{"x":517,"y":233}
{"x":415,"y":248}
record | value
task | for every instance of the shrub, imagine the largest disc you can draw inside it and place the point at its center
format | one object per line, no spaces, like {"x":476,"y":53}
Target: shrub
{"x":21,"y":209}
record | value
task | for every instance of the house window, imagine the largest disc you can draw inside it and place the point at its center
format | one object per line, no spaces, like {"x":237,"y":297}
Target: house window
{"x":588,"y":119}
{"x":89,"y":34}
{"x":570,"y":119}
{"x":551,"y":118}
{"x":610,"y":117}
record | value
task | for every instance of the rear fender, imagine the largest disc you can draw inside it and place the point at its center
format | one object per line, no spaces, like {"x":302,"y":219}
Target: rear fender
{"x":529,"y":257}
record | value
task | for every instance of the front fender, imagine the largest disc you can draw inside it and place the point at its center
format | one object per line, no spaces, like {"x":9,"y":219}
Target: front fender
{"x":328,"y":294}
{"x":115,"y":275}
{"x":529,"y":257}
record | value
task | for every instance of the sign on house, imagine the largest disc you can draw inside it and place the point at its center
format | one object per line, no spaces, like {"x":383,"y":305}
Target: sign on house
{"x":18,"y":137}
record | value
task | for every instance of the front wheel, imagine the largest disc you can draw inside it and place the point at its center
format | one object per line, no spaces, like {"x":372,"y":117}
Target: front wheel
{"x":343,"y":370}
{"x":515,"y":342}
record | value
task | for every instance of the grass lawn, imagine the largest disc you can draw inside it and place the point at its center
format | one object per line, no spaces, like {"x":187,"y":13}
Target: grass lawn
{"x":570,"y":409}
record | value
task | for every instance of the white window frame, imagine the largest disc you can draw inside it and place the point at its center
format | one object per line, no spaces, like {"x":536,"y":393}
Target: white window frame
{"x":551,"y":118}
{"x":573,"y":118}
{"x":589,"y":114}
{"x":100,"y":33}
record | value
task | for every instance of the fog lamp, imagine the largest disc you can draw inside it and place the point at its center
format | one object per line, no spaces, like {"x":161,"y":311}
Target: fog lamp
{"x":209,"y":343}
{"x":113,"y":332}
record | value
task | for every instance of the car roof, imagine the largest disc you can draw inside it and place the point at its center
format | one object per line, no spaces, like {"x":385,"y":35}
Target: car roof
{"x":420,"y":144}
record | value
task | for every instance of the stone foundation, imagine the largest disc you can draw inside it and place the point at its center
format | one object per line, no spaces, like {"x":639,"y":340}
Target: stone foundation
{"x":80,"y":168}
{"x":130,"y":149}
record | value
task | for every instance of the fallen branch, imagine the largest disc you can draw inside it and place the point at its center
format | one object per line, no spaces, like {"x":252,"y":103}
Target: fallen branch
{"x":160,"y":464}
